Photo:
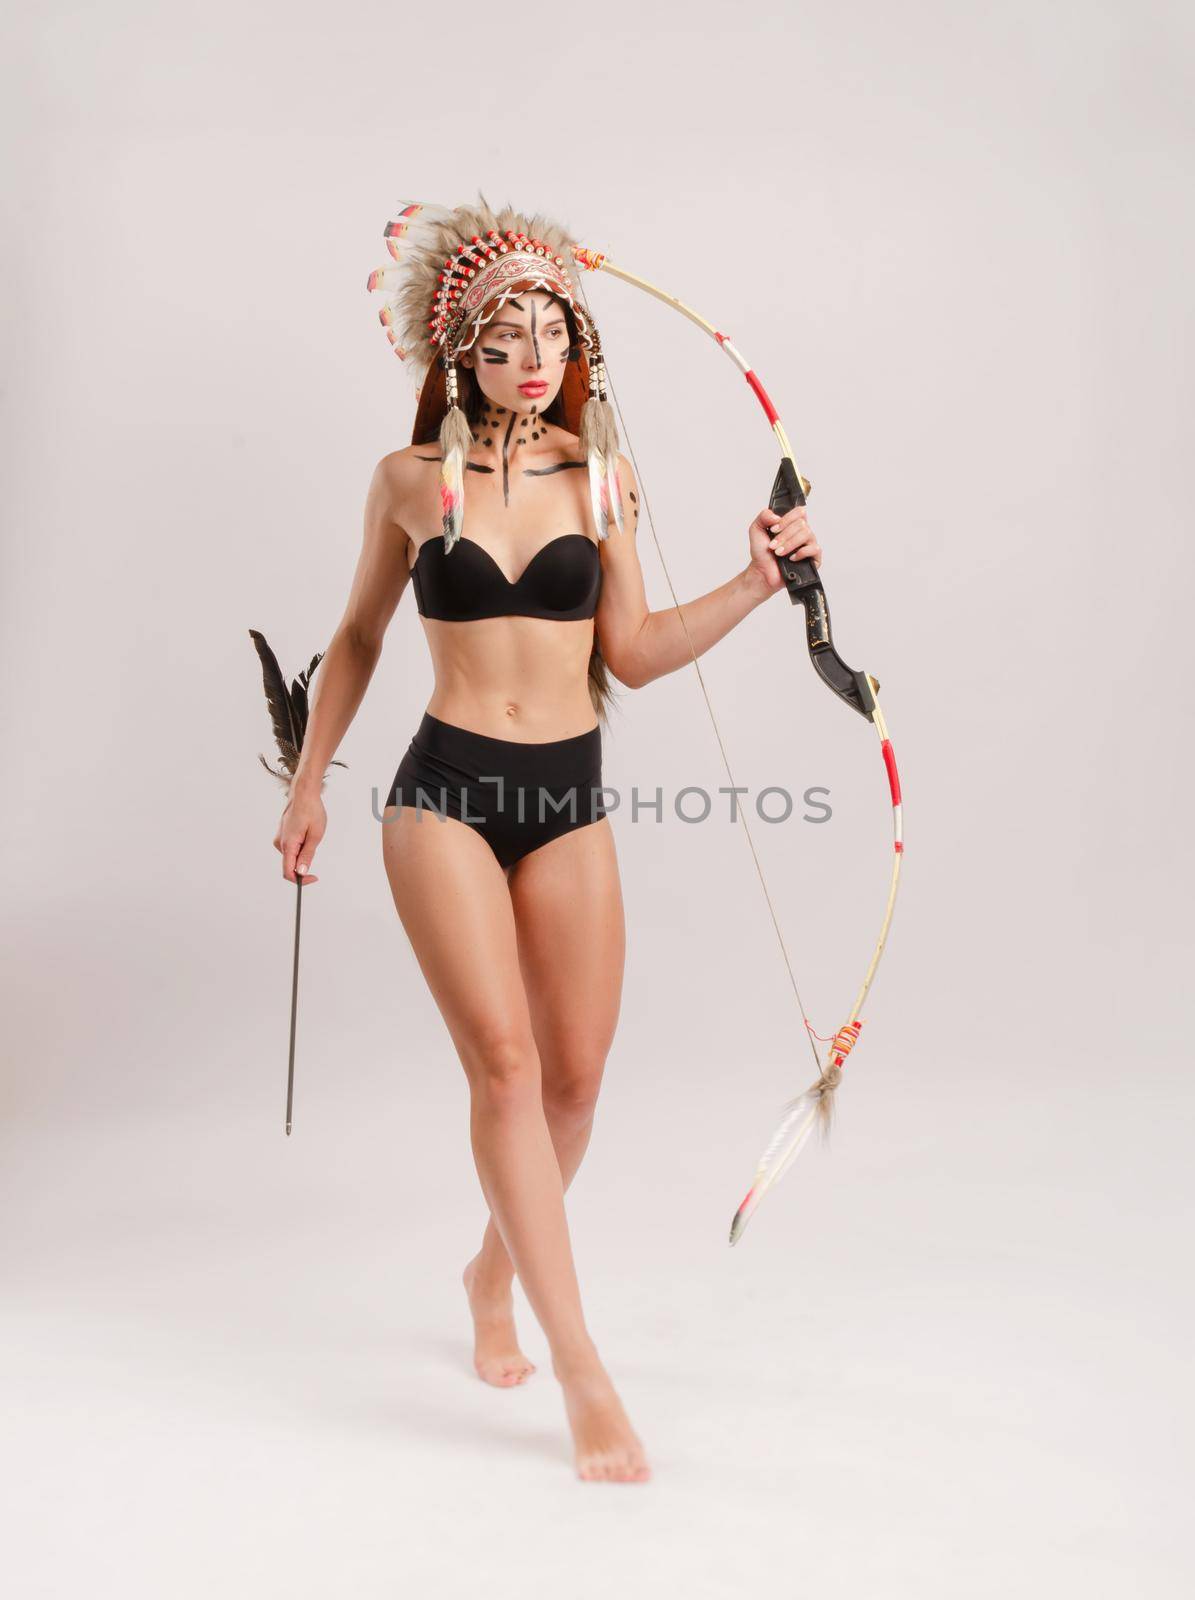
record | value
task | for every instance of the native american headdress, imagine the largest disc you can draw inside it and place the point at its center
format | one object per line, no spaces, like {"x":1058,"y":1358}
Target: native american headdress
{"x":452,"y":271}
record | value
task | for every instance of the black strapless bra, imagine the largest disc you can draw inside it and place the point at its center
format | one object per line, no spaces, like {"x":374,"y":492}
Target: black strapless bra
{"x":561,"y":581}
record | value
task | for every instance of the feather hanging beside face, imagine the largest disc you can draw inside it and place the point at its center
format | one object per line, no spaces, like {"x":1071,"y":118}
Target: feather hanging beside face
{"x":598,"y":442}
{"x":288,"y":709}
{"x":615,"y":492}
{"x":455,"y":440}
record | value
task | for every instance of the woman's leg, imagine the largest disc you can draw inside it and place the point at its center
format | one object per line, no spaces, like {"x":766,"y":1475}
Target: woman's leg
{"x":455,"y":905}
{"x":572,"y":947}
{"x":569,"y":915}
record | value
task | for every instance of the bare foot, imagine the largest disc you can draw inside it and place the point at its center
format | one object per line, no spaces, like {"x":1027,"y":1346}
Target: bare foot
{"x":607,"y":1448}
{"x":496,"y":1354}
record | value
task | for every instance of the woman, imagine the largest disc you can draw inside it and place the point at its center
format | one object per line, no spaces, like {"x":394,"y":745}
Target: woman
{"x":498,"y":852}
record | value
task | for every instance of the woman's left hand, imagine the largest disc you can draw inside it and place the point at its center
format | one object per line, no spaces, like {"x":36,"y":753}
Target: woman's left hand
{"x":773,"y":535}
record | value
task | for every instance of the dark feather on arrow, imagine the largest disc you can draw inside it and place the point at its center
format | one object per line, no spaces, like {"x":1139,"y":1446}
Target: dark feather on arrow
{"x":288,"y":708}
{"x":298,"y":695}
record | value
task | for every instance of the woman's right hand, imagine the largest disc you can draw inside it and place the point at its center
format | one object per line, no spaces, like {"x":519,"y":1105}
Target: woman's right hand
{"x":303,"y":825}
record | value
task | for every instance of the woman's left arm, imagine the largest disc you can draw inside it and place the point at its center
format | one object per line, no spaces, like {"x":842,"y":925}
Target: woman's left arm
{"x":639,"y":645}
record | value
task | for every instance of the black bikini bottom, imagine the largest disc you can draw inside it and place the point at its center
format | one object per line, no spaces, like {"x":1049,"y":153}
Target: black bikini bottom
{"x":517,"y":796}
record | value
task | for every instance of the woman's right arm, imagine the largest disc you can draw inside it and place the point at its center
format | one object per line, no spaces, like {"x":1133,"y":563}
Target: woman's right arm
{"x":347,"y":666}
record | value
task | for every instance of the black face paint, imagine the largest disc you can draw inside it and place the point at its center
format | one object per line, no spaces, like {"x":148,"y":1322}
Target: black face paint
{"x":470,"y":466}
{"x":561,"y":466}
{"x":510,"y":428}
{"x":535,"y":337}
{"x":494,"y":358}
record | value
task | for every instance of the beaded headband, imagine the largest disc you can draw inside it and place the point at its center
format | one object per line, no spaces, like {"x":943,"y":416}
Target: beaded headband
{"x":437,"y":303}
{"x":481,"y":270}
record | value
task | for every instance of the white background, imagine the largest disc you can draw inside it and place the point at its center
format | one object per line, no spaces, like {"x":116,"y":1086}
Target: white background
{"x":950,"y":1355}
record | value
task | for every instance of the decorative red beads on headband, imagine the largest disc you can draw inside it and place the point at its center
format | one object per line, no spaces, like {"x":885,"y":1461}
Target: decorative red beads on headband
{"x":467,"y":262}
